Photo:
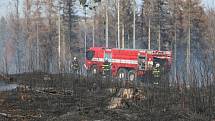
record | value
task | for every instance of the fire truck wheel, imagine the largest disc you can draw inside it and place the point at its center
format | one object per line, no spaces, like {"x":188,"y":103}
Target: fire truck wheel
{"x":122,"y":74}
{"x":94,"y":70}
{"x":132,"y":75}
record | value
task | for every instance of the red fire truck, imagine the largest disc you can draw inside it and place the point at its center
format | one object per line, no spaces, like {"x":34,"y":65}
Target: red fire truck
{"x":126,"y":64}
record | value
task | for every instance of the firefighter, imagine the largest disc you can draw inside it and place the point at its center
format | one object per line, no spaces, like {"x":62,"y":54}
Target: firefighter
{"x":156,"y":73}
{"x":75,"y":65}
{"x":106,"y":67}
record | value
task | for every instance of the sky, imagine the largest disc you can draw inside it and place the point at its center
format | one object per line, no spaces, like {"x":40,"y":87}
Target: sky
{"x":209,"y":3}
{"x":4,"y":5}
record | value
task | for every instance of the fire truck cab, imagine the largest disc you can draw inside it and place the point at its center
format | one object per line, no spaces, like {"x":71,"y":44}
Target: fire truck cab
{"x":126,"y":64}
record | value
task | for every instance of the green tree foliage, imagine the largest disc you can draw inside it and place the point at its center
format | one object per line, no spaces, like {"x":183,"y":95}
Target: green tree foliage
{"x":163,"y":14}
{"x":70,"y":25}
{"x":83,"y":2}
{"x":97,"y":0}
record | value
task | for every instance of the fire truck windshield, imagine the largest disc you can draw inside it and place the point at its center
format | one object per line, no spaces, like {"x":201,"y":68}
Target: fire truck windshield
{"x":90,"y":54}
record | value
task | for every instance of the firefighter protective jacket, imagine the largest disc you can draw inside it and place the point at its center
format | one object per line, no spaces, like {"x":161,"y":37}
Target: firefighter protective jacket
{"x":75,"y":65}
{"x":156,"y":72}
{"x":106,"y":66}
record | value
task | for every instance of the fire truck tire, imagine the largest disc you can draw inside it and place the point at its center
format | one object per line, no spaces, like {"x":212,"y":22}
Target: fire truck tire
{"x":94,"y":70}
{"x":122,"y":74}
{"x":132,"y":75}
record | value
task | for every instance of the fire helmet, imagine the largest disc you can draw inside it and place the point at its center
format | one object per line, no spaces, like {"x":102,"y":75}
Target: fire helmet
{"x":75,"y":58}
{"x":157,"y":65}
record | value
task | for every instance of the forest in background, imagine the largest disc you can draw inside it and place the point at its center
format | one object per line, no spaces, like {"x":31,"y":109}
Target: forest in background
{"x":45,"y":35}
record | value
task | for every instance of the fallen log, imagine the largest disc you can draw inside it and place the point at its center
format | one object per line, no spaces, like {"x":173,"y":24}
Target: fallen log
{"x":7,"y":115}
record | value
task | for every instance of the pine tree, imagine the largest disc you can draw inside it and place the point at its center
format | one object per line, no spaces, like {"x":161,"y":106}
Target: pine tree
{"x":69,"y":19}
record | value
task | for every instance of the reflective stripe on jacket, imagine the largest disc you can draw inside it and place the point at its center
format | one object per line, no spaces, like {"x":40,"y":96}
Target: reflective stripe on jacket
{"x":106,"y":66}
{"x":156,"y":72}
{"x":75,"y":65}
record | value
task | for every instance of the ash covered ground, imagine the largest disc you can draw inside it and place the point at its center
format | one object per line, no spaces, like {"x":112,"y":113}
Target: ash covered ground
{"x":75,"y":98}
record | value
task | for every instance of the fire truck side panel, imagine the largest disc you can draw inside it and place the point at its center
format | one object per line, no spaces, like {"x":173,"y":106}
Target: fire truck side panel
{"x":124,"y":59}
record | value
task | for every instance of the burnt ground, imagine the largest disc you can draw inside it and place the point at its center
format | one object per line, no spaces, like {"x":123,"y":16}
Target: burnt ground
{"x":72,"y":98}
{"x":69,"y":98}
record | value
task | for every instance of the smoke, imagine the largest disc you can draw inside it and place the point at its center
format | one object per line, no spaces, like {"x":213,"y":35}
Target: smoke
{"x":9,"y":52}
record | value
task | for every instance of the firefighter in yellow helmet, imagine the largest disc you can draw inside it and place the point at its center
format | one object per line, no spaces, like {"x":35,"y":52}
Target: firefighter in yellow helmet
{"x":156,"y":73}
{"x":75,"y":65}
{"x":106,"y":67}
